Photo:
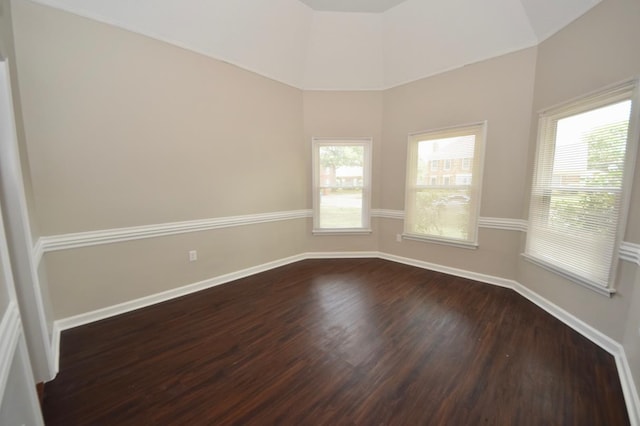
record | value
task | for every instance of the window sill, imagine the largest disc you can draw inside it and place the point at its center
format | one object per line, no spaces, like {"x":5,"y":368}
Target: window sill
{"x":346,"y":231}
{"x":605,"y":291}
{"x":454,"y":243}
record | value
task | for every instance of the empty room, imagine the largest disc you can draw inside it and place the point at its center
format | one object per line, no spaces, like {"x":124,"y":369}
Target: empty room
{"x":329,"y":212}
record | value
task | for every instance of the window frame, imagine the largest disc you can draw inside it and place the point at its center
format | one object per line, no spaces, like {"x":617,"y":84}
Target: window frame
{"x":545,"y":150}
{"x":477,"y":170}
{"x":367,"y":144}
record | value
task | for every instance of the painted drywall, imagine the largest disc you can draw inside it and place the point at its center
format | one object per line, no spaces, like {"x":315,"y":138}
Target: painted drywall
{"x":124,"y":130}
{"x":331,"y":63}
{"x":596,"y":50}
{"x":267,"y":37}
{"x":498,"y":90}
{"x":631,"y":340}
{"x":91,"y":278}
{"x":423,"y":38}
{"x":545,"y":21}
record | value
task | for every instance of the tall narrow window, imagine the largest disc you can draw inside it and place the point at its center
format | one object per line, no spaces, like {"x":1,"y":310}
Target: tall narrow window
{"x":341,"y":185}
{"x":446,"y":212}
{"x":578,"y":195}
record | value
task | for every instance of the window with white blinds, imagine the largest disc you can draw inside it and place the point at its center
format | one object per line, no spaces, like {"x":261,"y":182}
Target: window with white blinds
{"x":444,"y":174}
{"x":578,"y":200}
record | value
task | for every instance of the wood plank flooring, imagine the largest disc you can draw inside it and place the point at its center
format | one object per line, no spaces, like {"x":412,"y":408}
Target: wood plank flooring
{"x":332,"y":342}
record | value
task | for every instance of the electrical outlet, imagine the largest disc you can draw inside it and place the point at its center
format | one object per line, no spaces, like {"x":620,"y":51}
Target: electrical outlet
{"x":399,"y":238}
{"x":193,"y":255}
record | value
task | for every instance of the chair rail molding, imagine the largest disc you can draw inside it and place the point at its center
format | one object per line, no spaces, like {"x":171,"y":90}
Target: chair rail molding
{"x":108,"y":236}
{"x":630,"y":252}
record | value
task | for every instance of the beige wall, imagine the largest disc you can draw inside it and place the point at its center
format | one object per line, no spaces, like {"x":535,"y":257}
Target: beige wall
{"x":90,"y":278}
{"x":631,"y":339}
{"x":124,"y":130}
{"x":498,"y":90}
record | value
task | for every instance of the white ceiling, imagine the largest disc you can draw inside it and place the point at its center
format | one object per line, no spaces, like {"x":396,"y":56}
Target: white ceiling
{"x":370,"y":6}
{"x":288,"y":41}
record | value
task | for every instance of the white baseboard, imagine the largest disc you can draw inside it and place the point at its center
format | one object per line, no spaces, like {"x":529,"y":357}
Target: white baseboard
{"x":342,"y":255}
{"x":488,"y":279}
{"x":628,"y":387}
{"x":597,"y":337}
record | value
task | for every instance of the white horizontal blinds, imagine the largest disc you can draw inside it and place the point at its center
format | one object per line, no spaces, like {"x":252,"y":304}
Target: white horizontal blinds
{"x":442,"y":183}
{"x":577,"y":192}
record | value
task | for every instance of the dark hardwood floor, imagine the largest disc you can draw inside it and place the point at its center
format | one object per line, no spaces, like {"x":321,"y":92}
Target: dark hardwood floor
{"x":350,"y":341}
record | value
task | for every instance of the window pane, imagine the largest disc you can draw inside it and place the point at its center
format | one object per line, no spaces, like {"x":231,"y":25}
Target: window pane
{"x":442,"y":212}
{"x":341,"y":186}
{"x":590,"y":147}
{"x":452,"y":151}
{"x":441,"y":201}
{"x":340,"y":208}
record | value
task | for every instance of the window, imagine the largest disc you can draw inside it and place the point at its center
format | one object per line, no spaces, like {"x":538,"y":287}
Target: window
{"x":447,"y":164}
{"x":466,"y":163}
{"x":341,"y":185}
{"x":578,"y":197}
{"x":446,"y":213}
{"x":434,"y":165}
{"x":433,"y":180}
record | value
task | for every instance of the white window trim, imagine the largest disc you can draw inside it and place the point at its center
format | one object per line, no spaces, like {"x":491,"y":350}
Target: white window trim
{"x":575,"y":106}
{"x":479,"y":155}
{"x":367,"y":143}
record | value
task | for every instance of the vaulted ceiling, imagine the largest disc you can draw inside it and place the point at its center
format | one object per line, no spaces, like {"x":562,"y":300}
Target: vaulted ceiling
{"x":340,"y":44}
